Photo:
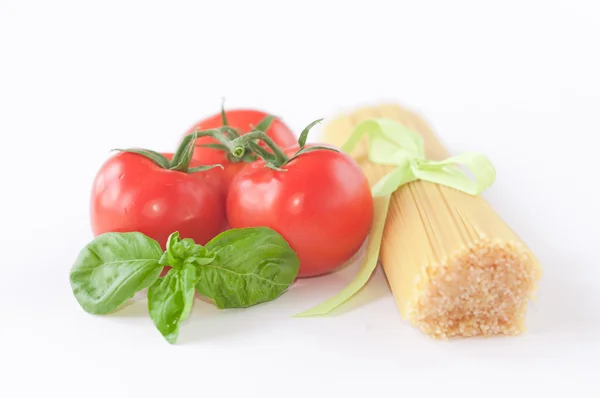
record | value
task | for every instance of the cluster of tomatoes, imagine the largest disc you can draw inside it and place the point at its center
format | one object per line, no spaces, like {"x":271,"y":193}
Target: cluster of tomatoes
{"x":320,"y":202}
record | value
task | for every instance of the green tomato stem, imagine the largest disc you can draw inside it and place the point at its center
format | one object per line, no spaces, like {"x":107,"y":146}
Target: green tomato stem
{"x":253,"y":146}
{"x":183,"y":156}
{"x":217,"y":134}
{"x":277,"y":159}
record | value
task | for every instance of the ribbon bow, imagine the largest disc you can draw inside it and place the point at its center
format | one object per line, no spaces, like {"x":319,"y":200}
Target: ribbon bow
{"x":391,"y":143}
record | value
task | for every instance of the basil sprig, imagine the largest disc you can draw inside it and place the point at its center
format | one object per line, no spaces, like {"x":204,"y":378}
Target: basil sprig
{"x":238,"y":268}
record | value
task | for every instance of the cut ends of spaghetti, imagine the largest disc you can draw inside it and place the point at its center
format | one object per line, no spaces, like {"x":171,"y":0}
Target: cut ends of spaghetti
{"x":482,"y":290}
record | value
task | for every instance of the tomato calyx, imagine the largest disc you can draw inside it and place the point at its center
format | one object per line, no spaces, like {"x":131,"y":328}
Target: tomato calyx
{"x":302,"y":142}
{"x":277,"y":159}
{"x":241,"y":155}
{"x":183,"y":155}
{"x":248,"y":157}
{"x":256,"y":150}
{"x":244,"y":148}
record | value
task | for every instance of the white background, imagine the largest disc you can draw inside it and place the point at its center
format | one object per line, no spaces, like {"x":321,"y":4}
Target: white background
{"x":516,"y":80}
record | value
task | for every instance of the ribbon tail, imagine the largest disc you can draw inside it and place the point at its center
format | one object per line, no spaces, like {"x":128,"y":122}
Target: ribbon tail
{"x":389,"y":183}
{"x":367,"y":267}
{"x":355,"y":137}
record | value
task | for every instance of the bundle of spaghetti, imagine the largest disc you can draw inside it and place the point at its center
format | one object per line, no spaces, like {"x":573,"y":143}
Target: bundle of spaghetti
{"x":455,"y":268}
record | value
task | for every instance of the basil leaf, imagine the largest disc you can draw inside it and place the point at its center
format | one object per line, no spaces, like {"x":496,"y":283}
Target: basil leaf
{"x":170,"y":300}
{"x":251,"y":266}
{"x":184,"y":251}
{"x":112,"y":268}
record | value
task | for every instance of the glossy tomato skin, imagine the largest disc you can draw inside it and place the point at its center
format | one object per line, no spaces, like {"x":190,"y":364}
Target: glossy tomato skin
{"x":241,"y":119}
{"x":322,"y":205}
{"x":131,"y":193}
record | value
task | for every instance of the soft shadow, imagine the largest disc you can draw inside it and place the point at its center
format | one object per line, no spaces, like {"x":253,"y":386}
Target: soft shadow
{"x":208,"y":324}
{"x":564,"y":306}
{"x":309,"y":292}
{"x":374,"y":290}
{"x":137,"y":307}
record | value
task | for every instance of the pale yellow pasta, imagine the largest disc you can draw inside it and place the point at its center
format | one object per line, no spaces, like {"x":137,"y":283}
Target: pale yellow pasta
{"x":454,"y":266}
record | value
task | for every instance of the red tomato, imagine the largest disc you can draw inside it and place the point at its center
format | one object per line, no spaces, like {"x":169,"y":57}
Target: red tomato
{"x":241,"y":119}
{"x":322,"y":205}
{"x":132,"y":193}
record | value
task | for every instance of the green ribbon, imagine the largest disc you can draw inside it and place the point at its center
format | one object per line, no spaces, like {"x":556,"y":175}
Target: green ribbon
{"x":393,"y":144}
